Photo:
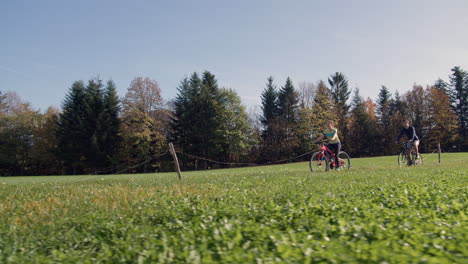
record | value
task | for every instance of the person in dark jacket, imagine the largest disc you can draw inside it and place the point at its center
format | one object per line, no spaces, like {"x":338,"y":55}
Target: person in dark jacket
{"x":410,"y":133}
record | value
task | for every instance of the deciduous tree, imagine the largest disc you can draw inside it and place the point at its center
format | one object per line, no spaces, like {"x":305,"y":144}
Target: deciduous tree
{"x":142,"y":127}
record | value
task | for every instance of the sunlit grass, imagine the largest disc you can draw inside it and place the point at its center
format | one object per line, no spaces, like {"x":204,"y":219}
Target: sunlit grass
{"x":282,"y":213}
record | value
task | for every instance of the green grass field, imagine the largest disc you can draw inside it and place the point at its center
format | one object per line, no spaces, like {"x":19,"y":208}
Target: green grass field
{"x":374,"y":213}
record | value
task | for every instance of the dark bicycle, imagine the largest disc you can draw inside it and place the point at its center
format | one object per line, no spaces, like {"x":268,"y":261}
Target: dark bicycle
{"x":407,"y":148}
{"x":324,"y":159}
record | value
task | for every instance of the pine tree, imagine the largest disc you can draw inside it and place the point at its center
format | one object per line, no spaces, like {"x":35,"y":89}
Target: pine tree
{"x":303,"y":129}
{"x":269,"y":119}
{"x":288,"y":101}
{"x":87,"y":132}
{"x":384,"y":103}
{"x":340,"y":94}
{"x":3,"y":104}
{"x":399,"y":105}
{"x":186,"y":118}
{"x":399,"y":112}
{"x":269,"y":108}
{"x":95,"y":156}
{"x":459,"y":99}
{"x":362,"y":131}
{"x":208,"y":122}
{"x":442,"y":85}
{"x":110,"y":139}
{"x":71,"y":135}
{"x":210,"y":108}
{"x":181,"y":115}
{"x":384,"y":114}
{"x":195,"y":121}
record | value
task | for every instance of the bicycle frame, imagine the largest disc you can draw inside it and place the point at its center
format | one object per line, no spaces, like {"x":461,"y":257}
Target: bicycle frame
{"x":409,"y":154}
{"x":328,"y":154}
{"x":405,"y":150}
{"x":324,"y":159}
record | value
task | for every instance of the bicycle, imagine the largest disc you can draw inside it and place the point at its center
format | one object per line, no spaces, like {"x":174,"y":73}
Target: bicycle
{"x":403,"y":156}
{"x":324,"y":159}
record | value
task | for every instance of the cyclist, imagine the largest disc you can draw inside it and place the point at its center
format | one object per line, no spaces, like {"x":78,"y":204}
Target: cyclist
{"x":334,"y":144}
{"x":410,"y":133}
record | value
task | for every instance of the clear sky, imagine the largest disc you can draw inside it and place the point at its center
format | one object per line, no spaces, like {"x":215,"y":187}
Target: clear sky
{"x":46,"y":45}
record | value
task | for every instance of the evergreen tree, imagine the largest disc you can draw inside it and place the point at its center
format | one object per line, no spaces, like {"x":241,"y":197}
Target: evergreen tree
{"x":303,"y":129}
{"x":442,"y":85}
{"x":87,"y":131}
{"x":185,"y":131}
{"x":270,"y":121}
{"x":110,"y":139}
{"x":269,"y":108}
{"x":95,"y":156}
{"x":208,"y":122}
{"x":399,"y":106}
{"x":210,"y":108}
{"x":288,"y":101}
{"x":459,"y":99}
{"x":399,"y":112}
{"x":71,"y":134}
{"x":3,"y":104}
{"x":195,"y":121}
{"x":384,"y":115}
{"x":340,"y":94}
{"x":180,"y":119}
{"x":362,"y":131}
{"x":384,"y":103}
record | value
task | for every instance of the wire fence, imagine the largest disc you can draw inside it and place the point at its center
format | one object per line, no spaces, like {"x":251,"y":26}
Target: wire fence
{"x":118,"y":169}
{"x":128,"y":168}
{"x":429,"y":156}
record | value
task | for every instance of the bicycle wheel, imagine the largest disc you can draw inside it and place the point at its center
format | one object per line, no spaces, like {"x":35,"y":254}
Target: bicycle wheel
{"x":402,"y":160}
{"x":417,"y":160}
{"x":345,"y":161}
{"x":318,"y":162}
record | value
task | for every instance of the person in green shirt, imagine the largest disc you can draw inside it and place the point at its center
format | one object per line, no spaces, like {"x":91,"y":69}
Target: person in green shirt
{"x":334,"y":144}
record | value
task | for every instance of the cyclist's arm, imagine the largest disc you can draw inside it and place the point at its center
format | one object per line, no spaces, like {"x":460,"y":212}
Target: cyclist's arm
{"x":319,"y":138}
{"x":335,"y":135}
{"x":413,"y":134}
{"x":401,"y":134}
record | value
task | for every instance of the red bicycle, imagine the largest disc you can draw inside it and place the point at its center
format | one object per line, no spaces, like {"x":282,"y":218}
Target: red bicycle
{"x":324,"y":159}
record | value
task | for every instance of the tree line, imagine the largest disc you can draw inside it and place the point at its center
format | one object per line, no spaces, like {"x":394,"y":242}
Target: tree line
{"x":96,"y":132}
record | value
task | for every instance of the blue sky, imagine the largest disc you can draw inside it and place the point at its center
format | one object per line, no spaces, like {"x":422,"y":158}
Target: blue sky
{"x":47,"y":45}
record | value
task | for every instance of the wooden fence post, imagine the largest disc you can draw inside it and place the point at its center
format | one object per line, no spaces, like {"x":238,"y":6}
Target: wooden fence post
{"x":176,"y":161}
{"x":438,"y":150}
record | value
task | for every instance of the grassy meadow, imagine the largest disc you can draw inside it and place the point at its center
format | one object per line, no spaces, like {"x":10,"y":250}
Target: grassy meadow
{"x":374,"y":213}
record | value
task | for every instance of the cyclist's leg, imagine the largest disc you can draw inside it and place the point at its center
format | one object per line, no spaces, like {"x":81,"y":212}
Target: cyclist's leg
{"x":416,"y":147}
{"x":335,"y":148}
{"x":337,"y":151}
{"x":331,"y":147}
{"x":409,"y":149}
